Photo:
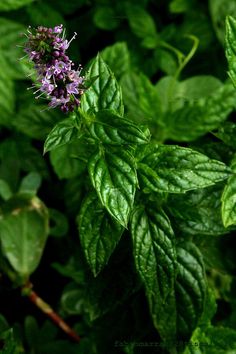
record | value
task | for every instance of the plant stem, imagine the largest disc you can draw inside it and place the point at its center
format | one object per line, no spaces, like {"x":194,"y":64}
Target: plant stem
{"x":46,"y":308}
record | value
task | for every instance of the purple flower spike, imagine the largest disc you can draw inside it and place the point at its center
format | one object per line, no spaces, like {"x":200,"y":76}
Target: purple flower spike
{"x":62,"y":85}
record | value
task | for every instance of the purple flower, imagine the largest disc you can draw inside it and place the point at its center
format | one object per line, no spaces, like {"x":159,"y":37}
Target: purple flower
{"x":58,"y":101}
{"x":61,"y":67}
{"x":72,"y":88}
{"x":62,"y":85}
{"x":58,"y":29}
{"x":47,"y":86}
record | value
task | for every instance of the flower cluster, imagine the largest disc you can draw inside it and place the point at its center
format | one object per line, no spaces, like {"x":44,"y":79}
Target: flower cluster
{"x":57,"y":79}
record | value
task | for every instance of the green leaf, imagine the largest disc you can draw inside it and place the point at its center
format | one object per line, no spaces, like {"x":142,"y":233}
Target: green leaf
{"x":31,"y":331}
{"x":10,"y":163}
{"x":230,"y":48}
{"x":212,"y":340}
{"x":229,"y":202}
{"x":101,"y":292}
{"x":7,"y":99}
{"x":140,"y":96}
{"x":142,"y":25}
{"x":68,"y":160}
{"x":105,"y":18}
{"x":180,"y":6}
{"x":30,"y":183}
{"x":42,"y":14}
{"x":113,"y":174}
{"x":197,"y":87}
{"x":190,"y":288}
{"x":99,"y":233}
{"x":219,"y":10}
{"x":117,"y":57}
{"x":23,"y":233}
{"x":9,"y":5}
{"x":10,"y":38}
{"x":30,"y":158}
{"x":5,"y":190}
{"x":10,"y":345}
{"x":3,"y":324}
{"x":69,"y":7}
{"x":174,"y":169}
{"x":63,"y":133}
{"x":35,"y":121}
{"x":227,"y":133}
{"x":104,"y":93}
{"x":60,"y":224}
{"x":198,"y":212}
{"x":112,"y":129}
{"x":155,"y":257}
{"x":72,"y":301}
{"x":200,"y":115}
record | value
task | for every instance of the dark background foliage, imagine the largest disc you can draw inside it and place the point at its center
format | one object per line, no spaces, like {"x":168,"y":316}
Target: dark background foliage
{"x":169,"y":59}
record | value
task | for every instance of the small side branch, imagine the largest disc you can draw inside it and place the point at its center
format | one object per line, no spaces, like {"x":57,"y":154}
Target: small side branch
{"x":44,"y":307}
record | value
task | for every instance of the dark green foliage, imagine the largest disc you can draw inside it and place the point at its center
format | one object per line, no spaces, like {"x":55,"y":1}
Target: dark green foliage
{"x":123,"y":213}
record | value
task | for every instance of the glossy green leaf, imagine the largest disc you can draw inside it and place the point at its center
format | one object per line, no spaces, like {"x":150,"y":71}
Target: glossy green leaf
{"x":63,"y":133}
{"x":99,"y":233}
{"x":8,"y":5}
{"x":174,"y":169}
{"x":230,"y":49}
{"x":104,"y":93}
{"x":113,"y":174}
{"x":198,"y":212}
{"x":190,"y":288}
{"x":36,"y":121}
{"x":117,"y":56}
{"x":23,"y":233}
{"x":229,"y":202}
{"x":112,"y":129}
{"x":155,"y":257}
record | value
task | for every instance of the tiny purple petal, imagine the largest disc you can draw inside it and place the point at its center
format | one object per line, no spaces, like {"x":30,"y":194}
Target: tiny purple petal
{"x":58,"y":29}
{"x":61,"y":67}
{"x":72,"y":88}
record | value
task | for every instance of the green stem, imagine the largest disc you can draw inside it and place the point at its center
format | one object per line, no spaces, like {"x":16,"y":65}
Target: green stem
{"x":182,"y":65}
{"x":189,"y":56}
{"x":177,"y":52}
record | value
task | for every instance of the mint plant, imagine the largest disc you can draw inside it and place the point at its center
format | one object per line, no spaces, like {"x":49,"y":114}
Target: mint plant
{"x":118,"y":184}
